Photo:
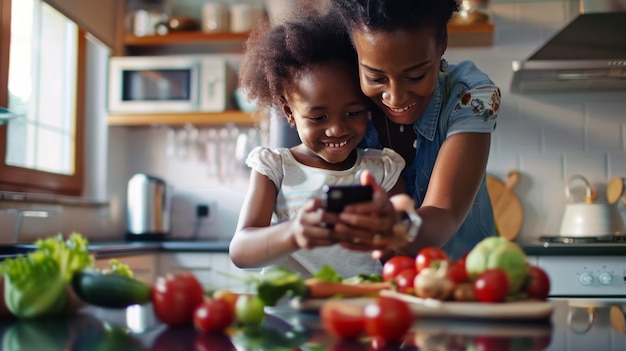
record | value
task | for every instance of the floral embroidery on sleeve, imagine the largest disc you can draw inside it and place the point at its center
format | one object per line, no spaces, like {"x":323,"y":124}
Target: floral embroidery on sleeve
{"x":480,"y":105}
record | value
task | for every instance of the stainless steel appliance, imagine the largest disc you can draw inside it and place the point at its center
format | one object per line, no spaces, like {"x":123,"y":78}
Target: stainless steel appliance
{"x":588,"y":54}
{"x":174,"y":83}
{"x":582,"y":267}
{"x":148,"y":208}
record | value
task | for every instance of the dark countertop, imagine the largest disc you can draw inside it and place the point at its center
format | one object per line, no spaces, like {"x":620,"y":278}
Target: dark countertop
{"x":108,"y":249}
{"x":136,"y":328}
{"x":121,"y":248}
{"x":540,"y":248}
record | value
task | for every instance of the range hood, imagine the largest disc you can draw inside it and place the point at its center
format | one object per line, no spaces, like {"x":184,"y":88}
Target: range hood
{"x":589,"y":54}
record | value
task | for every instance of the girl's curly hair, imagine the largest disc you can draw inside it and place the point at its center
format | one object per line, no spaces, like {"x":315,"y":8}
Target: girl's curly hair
{"x":392,"y":15}
{"x":274,"y":57}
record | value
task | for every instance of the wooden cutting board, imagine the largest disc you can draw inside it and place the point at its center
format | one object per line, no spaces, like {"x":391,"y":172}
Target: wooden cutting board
{"x":507,"y":208}
{"x":516,"y":310}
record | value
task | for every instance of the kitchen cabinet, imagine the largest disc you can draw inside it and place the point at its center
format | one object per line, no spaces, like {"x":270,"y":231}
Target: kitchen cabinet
{"x":214,"y":270}
{"x":103,"y":19}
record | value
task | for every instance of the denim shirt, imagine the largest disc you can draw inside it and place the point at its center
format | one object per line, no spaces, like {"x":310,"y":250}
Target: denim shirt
{"x":465,"y":100}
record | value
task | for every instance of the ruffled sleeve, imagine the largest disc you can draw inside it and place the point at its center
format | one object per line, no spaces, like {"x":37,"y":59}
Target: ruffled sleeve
{"x":267,"y":162}
{"x":393,"y":164}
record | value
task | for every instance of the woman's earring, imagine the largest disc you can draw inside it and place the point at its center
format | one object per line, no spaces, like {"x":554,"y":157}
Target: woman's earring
{"x":369,"y":115}
{"x":443,"y":65}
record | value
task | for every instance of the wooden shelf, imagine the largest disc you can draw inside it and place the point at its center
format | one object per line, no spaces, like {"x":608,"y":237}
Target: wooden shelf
{"x":205,"y":119}
{"x":477,"y":34}
{"x":183,"y":38}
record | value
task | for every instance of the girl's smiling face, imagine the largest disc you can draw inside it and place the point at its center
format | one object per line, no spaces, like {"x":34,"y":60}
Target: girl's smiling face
{"x":399,"y":70}
{"x":330,"y":114}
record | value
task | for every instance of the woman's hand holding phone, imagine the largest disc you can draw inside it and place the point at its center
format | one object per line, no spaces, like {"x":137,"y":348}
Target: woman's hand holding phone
{"x":367,"y":226}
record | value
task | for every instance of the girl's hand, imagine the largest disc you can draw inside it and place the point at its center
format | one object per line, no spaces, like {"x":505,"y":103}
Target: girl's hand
{"x":312,"y":226}
{"x":368,"y":226}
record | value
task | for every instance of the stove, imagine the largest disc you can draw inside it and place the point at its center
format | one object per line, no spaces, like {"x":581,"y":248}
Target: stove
{"x":581,"y":267}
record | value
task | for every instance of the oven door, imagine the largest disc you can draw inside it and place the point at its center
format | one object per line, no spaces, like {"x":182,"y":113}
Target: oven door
{"x":573,"y":276}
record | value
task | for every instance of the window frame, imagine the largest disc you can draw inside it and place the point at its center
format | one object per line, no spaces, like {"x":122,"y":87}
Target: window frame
{"x":18,"y":179}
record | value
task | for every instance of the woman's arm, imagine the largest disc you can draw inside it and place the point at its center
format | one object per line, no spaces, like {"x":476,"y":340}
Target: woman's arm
{"x":256,"y":243}
{"x":454,"y":183}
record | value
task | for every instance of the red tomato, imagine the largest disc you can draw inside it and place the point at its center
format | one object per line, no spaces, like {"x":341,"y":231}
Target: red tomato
{"x":228,"y":296}
{"x":174,"y":339}
{"x":427,"y":256}
{"x":404,"y":281}
{"x":342,"y":320}
{"x":537,"y":283}
{"x":213,"y":315}
{"x":387,"y":319}
{"x":395,"y":265}
{"x":492,"y":285}
{"x":175,"y":297}
{"x":491,"y":343}
{"x":348,"y":345}
{"x":212,"y":341}
{"x":457,"y":273}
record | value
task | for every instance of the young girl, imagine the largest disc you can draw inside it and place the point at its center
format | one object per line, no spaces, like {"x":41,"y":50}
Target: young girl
{"x":307,"y":69}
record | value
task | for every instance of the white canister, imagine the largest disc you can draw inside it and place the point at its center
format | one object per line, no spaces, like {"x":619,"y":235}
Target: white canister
{"x":215,"y":18}
{"x":244,"y":17}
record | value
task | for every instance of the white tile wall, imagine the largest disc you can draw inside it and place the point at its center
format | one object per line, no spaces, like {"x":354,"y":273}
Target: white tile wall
{"x":550,"y":137}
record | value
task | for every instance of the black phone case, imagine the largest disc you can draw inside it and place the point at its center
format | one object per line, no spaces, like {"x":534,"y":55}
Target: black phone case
{"x":338,"y":196}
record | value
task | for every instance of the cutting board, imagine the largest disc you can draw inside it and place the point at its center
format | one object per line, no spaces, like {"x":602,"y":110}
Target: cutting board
{"x":507,"y":208}
{"x":420,"y":307}
{"x":525,"y":309}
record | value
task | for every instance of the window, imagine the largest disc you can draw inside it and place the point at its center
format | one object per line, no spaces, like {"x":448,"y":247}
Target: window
{"x":42,"y":59}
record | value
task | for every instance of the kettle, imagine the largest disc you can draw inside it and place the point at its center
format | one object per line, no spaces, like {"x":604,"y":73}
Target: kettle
{"x":590,"y":219}
{"x":148,"y":208}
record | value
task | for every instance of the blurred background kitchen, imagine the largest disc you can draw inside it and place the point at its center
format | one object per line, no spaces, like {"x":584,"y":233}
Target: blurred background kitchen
{"x":546,"y":136}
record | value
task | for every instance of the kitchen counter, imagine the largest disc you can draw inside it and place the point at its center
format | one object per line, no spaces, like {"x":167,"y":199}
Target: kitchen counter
{"x":541,"y":248}
{"x":124,"y":248}
{"x":110,"y":249}
{"x":574,"y":325}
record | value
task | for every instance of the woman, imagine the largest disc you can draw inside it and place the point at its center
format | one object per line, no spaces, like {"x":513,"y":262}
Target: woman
{"x":438,"y":117}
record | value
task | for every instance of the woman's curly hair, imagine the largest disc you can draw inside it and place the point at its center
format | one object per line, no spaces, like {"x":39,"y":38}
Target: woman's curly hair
{"x":392,"y":15}
{"x":274,"y":57}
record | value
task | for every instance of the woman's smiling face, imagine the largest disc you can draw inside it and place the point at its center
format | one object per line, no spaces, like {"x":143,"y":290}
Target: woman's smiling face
{"x":399,"y":70}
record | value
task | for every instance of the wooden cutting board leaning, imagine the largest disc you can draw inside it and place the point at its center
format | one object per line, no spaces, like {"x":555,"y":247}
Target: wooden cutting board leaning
{"x":507,"y":208}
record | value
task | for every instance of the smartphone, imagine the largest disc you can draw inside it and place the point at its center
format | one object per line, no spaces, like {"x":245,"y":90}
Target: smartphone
{"x":338,"y":196}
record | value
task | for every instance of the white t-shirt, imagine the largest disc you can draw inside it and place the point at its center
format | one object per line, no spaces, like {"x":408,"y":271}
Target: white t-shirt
{"x":296,"y":183}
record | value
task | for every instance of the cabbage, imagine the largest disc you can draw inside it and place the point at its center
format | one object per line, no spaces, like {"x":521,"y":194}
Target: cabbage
{"x":36,"y":283}
{"x":498,"y":252}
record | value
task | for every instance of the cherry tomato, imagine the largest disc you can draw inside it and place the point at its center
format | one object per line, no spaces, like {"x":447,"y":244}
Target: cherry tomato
{"x":342,"y":320}
{"x":212,"y":341}
{"x":427,"y":256}
{"x":228,"y":296}
{"x":175,"y":297}
{"x":395,"y":265}
{"x":213,"y":315}
{"x":404,"y":281}
{"x":387,"y":319}
{"x":492,"y":285}
{"x":457,"y":273}
{"x":491,"y":343}
{"x":249,"y":310}
{"x":537,"y":283}
{"x":173,"y":339}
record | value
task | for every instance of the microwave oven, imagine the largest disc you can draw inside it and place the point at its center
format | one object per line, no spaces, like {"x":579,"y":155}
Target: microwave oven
{"x":166,"y":84}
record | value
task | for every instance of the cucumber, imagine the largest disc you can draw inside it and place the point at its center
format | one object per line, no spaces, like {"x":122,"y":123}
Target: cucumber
{"x":110,"y":290}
